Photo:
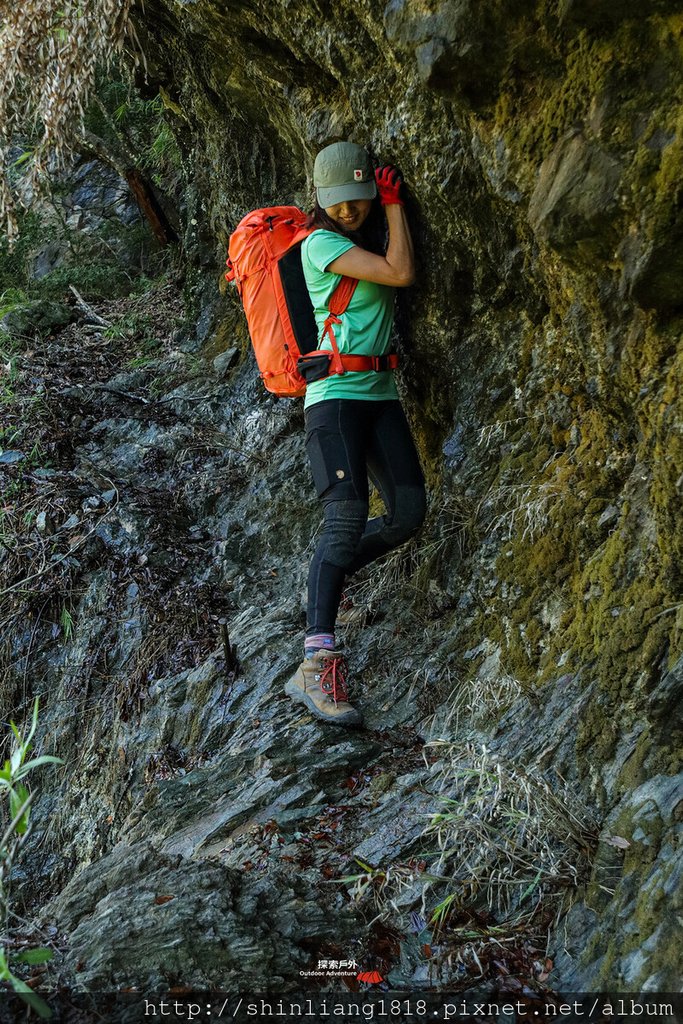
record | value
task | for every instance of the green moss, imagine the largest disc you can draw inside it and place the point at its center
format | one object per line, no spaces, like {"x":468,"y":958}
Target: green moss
{"x":543,"y":110}
{"x":554,"y":481}
{"x":660,"y":760}
{"x":642,"y":889}
{"x":570,"y":80}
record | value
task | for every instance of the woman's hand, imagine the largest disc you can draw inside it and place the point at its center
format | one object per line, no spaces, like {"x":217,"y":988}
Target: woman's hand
{"x":388,"y":180}
{"x":397,"y":268}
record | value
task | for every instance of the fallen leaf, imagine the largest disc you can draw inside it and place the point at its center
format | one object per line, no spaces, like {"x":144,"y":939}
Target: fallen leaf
{"x":163,"y":899}
{"x":618,"y":841}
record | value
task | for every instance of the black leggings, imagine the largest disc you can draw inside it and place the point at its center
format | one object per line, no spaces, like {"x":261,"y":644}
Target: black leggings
{"x":348,"y":440}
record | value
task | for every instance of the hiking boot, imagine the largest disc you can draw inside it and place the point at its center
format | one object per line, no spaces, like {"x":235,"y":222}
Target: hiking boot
{"x":320,"y":684}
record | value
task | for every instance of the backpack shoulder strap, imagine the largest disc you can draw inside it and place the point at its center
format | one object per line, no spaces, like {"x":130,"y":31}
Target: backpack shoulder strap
{"x":342,"y":295}
{"x":338,"y":304}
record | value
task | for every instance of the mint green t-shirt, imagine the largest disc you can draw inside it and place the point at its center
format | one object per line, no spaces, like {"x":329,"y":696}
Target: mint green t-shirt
{"x":365,"y":328}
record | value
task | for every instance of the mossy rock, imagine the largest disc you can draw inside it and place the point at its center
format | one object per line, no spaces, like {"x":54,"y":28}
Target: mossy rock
{"x":42,"y":316}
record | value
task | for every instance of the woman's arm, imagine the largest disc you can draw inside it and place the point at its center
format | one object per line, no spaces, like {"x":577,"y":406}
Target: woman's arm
{"x":397,"y":268}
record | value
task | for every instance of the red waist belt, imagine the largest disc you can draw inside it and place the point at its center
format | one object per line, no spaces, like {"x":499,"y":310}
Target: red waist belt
{"x":379,"y":363}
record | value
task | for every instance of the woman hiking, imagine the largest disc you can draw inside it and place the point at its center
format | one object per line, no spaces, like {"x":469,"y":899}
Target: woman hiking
{"x":355,"y":426}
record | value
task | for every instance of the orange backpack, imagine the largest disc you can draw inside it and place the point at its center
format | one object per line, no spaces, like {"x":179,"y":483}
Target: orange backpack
{"x":264,"y":261}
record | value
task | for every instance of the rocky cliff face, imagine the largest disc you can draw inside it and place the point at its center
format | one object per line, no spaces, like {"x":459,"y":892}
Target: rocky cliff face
{"x":535,"y":627}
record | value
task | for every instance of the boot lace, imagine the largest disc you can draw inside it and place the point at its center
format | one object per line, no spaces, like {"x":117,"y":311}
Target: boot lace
{"x":333,"y":678}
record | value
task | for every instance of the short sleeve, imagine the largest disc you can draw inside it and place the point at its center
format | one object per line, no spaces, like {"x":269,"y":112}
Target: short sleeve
{"x":323,"y":248}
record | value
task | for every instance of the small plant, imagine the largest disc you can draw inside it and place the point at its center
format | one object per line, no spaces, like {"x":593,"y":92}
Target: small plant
{"x":133,"y":326}
{"x":8,"y":368}
{"x":67,"y":623}
{"x":13,"y":787}
{"x":384,"y":884}
{"x":92,"y":275}
{"x":11,"y":299}
{"x":504,"y":834}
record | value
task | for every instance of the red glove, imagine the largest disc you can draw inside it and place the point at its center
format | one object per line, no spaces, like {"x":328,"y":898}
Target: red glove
{"x":388,"y":185}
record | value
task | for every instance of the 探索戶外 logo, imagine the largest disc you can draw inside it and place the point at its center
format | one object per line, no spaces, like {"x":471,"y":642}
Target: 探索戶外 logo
{"x":327,"y":968}
{"x":370,"y":977}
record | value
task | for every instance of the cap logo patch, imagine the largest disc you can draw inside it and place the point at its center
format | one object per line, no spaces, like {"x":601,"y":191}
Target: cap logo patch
{"x":357,"y":175}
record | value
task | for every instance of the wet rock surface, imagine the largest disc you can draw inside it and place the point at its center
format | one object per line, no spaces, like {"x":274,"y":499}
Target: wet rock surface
{"x":524,"y":648}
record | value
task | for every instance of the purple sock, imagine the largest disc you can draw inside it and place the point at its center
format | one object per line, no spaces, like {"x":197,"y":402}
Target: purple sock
{"x":318,"y":641}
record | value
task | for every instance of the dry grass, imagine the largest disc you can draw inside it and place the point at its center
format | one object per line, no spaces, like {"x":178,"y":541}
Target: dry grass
{"x":496,"y":433}
{"x":503,"y":835}
{"x":49,"y":54}
{"x":380,"y":885}
{"x":432,"y":690}
{"x":473,"y":702}
{"x":525,"y":509}
{"x":451,"y":525}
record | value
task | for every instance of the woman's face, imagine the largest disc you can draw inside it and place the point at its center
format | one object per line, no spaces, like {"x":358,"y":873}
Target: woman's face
{"x":350,"y":214}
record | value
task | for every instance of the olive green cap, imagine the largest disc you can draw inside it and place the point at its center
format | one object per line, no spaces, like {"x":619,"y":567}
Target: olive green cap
{"x":341,"y":172}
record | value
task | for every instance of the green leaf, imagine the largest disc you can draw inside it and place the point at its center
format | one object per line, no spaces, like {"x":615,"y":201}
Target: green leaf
{"x":35,"y":763}
{"x":23,"y":821}
{"x":34,"y":722}
{"x":17,"y":800}
{"x":441,"y":910}
{"x":346,"y":879}
{"x":28,"y":155}
{"x":530,"y":888}
{"x":366,"y":867}
{"x":39,"y":955}
{"x":34,"y":1000}
{"x":18,"y":985}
